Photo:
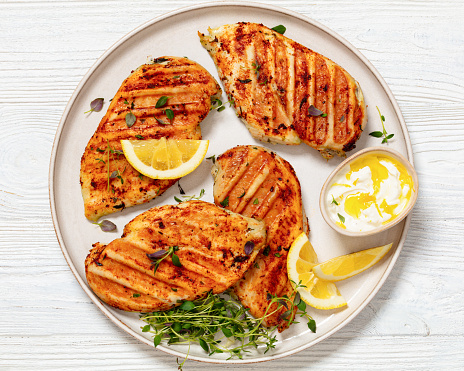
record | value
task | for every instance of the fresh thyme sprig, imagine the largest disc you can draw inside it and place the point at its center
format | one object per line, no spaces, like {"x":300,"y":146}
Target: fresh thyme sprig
{"x":215,"y":319}
{"x":188,"y":198}
{"x":383,"y":133}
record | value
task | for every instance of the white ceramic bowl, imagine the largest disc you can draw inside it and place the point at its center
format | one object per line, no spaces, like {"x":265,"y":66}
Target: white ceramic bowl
{"x":328,"y":183}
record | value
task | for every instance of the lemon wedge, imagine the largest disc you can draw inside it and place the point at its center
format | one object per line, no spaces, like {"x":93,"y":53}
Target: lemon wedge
{"x":345,"y":266}
{"x":165,"y":158}
{"x":318,"y":293}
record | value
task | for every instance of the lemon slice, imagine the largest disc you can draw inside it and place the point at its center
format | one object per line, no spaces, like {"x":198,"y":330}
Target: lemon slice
{"x":165,"y":158}
{"x":345,"y":266}
{"x":318,"y":293}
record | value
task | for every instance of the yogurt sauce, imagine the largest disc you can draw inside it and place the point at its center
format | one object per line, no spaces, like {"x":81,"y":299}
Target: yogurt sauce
{"x":372,"y":191}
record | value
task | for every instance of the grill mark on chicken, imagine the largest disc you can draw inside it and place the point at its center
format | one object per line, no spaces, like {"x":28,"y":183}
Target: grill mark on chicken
{"x":272,"y":182}
{"x":342,"y":112}
{"x":210,"y":244}
{"x":274,"y":104}
{"x":190,"y":99}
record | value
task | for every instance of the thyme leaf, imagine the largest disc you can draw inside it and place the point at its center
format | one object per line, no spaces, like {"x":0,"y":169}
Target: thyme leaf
{"x":161,"y":121}
{"x":159,"y":60}
{"x":161,"y":102}
{"x":106,"y":225}
{"x":313,"y":111}
{"x":169,"y":114}
{"x":96,"y":105}
{"x":279,"y":29}
{"x":130,"y":119}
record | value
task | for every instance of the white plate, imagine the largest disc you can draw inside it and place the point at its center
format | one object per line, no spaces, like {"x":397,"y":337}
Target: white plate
{"x":176,"y":34}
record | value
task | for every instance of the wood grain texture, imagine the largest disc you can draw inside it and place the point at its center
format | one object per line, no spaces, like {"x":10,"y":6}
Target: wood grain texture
{"x":415,"y":322}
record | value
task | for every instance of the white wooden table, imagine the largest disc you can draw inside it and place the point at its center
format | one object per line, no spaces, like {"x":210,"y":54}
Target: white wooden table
{"x":416,"y":321}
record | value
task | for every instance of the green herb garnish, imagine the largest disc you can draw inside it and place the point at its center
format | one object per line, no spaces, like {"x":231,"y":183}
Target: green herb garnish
{"x":106,"y":225}
{"x":161,"y":121}
{"x":341,"y":217}
{"x":188,"y":198}
{"x":334,"y":201}
{"x":96,"y":105}
{"x":158,"y":256}
{"x":383,"y":133}
{"x":161,"y":102}
{"x":280,"y":29}
{"x":159,"y":60}
{"x":130,"y":119}
{"x":169,"y":114}
{"x":267,"y":250}
{"x":256,"y":68}
{"x":225,"y":202}
{"x":219,"y":105}
{"x":138,"y":136}
{"x":222,"y":325}
{"x":113,"y":152}
{"x":256,"y":201}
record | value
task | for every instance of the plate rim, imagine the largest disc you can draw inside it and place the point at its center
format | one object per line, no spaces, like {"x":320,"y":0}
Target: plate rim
{"x":86,"y":78}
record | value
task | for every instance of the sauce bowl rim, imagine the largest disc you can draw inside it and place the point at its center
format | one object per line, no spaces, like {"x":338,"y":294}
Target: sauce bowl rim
{"x":388,"y":151}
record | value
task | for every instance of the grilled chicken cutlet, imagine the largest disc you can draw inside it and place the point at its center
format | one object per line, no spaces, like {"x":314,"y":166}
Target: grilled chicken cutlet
{"x":259,"y":184}
{"x":108,"y":181}
{"x":276,"y":83}
{"x":214,"y":248}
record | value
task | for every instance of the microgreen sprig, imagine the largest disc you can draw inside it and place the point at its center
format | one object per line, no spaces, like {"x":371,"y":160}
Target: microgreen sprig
{"x":114,"y":152}
{"x":383,"y":133}
{"x":256,"y":67}
{"x":219,"y":105}
{"x":158,"y":256}
{"x":215,"y":319}
{"x":188,"y":198}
